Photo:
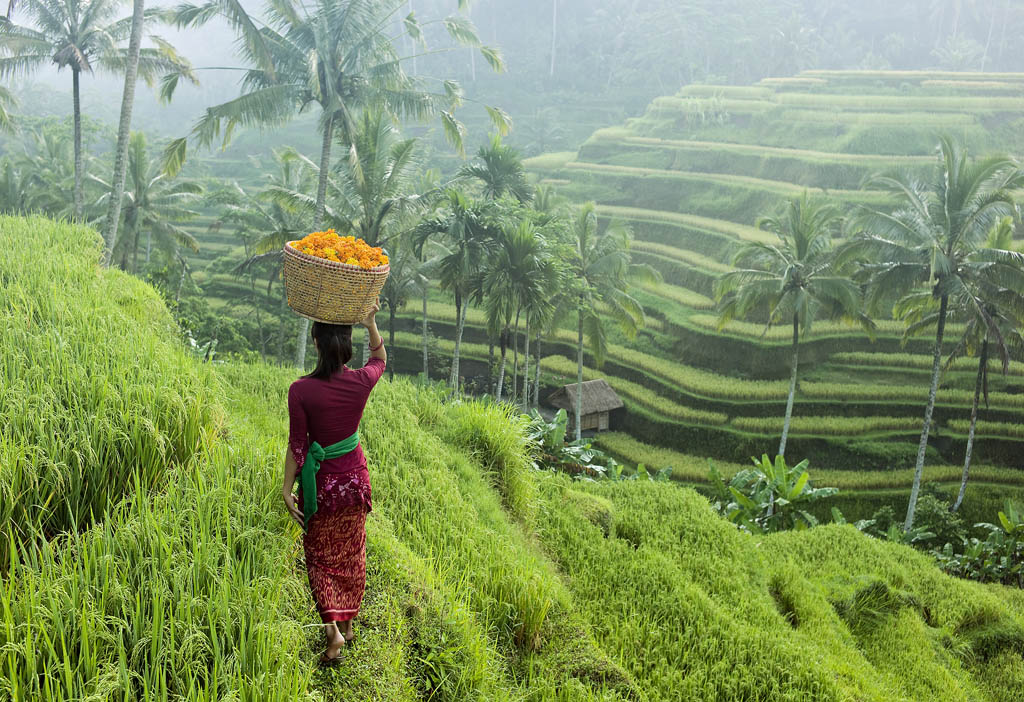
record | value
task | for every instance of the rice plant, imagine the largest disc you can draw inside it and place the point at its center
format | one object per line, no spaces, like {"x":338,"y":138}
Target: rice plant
{"x":829,"y":426}
{"x":71,"y":349}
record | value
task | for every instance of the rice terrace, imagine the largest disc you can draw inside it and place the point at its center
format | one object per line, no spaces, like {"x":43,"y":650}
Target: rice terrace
{"x":547,"y":350}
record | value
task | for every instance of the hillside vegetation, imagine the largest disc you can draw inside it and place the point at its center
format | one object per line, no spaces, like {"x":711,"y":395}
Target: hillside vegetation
{"x":693,"y":175}
{"x":487,"y":579}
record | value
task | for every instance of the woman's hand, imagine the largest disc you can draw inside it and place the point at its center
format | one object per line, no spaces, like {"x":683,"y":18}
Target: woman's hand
{"x":371,"y":319}
{"x":292,"y":507}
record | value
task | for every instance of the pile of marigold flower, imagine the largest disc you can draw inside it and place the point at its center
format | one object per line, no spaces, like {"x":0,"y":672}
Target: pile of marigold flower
{"x":341,"y":249}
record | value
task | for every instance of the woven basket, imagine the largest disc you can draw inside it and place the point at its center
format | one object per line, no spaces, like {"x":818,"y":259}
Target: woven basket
{"x":325,"y":291}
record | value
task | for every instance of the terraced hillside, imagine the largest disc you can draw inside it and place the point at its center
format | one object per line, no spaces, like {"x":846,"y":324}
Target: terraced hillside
{"x":148,"y":556}
{"x":692,"y":176}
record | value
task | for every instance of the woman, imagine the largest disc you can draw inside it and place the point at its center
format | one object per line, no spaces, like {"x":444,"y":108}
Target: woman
{"x":325,"y":408}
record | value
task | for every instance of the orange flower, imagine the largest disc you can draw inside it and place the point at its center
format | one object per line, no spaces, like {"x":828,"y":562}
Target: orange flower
{"x":342,"y":249}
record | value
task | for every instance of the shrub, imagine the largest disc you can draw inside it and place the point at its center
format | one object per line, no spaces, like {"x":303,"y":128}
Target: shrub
{"x":771,"y":496}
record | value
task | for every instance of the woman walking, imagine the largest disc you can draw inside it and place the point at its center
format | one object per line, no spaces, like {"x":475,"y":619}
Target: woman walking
{"x":325,"y":408}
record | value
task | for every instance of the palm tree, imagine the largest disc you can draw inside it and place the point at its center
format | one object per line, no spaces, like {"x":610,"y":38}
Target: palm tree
{"x":468,"y":231}
{"x":81,"y":35}
{"x":511,"y":284}
{"x":373,"y":190}
{"x":932,"y":240}
{"x":42,"y":179}
{"x":273,"y":219}
{"x":406,"y":279}
{"x":154,"y":204}
{"x":501,"y":171}
{"x":991,"y":307}
{"x":601,"y":269}
{"x":792,"y":282}
{"x":7,"y":101}
{"x":336,"y":55}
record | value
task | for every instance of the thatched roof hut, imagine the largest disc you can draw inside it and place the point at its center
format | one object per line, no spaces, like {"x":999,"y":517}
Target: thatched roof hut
{"x":599,"y":399}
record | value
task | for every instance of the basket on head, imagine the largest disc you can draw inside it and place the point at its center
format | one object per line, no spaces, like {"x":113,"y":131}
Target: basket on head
{"x":325,"y":291}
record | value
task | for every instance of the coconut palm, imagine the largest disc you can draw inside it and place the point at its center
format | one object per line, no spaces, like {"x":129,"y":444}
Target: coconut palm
{"x":335,"y":55}
{"x":407,"y":277}
{"x":990,"y":305}
{"x":467,"y":230}
{"x":501,"y":171}
{"x":792,"y":282}
{"x":601,"y":269}
{"x":511,"y":285}
{"x":154,"y":204}
{"x":931,"y":245}
{"x":82,"y":36}
{"x":264,"y":222}
{"x":373,"y":190}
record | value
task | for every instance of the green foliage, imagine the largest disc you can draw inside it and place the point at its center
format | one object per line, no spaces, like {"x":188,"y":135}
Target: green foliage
{"x":771,"y":496}
{"x":578,"y":458}
{"x":79,"y":345}
{"x":466,"y":599}
{"x":998,"y":558}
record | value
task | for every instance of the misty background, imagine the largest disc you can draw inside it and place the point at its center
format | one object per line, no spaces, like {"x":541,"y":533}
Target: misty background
{"x":575,"y":65}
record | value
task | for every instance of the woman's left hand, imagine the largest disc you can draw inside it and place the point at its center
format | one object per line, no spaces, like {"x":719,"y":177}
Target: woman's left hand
{"x":293,"y":509}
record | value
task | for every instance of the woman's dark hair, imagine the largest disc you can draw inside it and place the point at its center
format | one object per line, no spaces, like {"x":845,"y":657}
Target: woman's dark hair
{"x":334,"y":345}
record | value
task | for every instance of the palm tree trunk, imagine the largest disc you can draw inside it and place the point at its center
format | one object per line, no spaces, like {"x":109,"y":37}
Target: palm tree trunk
{"x":537,"y":374}
{"x":792,"y":387}
{"x":282,"y":330}
{"x":124,"y":128}
{"x":77,"y":107}
{"x":318,"y":220}
{"x":982,"y":363}
{"x":490,"y":365}
{"x":135,"y":252}
{"x":515,"y":360}
{"x":526,"y":365}
{"x":579,"y":376}
{"x":501,"y":367}
{"x":426,"y":364}
{"x":988,"y":40}
{"x":149,"y":244}
{"x":929,"y":409}
{"x":554,"y":33}
{"x":459,"y":326}
{"x":391,"y":339}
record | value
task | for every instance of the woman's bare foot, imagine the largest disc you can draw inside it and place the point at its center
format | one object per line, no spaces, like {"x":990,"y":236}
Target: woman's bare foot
{"x":347,"y":631}
{"x":335,"y":642}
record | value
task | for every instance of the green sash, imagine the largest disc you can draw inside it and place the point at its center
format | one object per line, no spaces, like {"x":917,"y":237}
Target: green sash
{"x":311,"y":466}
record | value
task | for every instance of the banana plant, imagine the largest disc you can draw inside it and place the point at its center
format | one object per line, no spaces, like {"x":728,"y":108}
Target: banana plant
{"x":771,"y":496}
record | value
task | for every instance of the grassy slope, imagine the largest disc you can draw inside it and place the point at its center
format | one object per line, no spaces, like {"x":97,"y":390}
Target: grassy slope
{"x":487,"y":580}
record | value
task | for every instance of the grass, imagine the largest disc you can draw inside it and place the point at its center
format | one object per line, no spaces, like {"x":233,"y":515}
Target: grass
{"x":487,"y":579}
{"x":871,"y":75}
{"x":918,"y":120}
{"x":918,"y":362}
{"x":683,"y":255}
{"x":616,"y":135}
{"x":904,"y":103}
{"x":565,"y":370}
{"x":65,"y":356}
{"x":775,"y":187}
{"x":694,"y":470}
{"x":680,"y":295}
{"x":779,"y":333}
{"x":720,"y":226}
{"x":829,"y":426}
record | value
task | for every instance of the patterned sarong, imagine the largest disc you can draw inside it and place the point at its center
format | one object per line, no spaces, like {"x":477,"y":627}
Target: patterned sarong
{"x":335,"y":547}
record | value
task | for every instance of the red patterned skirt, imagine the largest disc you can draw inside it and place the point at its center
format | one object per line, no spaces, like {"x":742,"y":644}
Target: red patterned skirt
{"x":335,"y":545}
{"x":335,"y":548}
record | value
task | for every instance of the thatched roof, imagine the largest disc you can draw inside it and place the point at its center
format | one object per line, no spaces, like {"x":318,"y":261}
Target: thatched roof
{"x":598,"y":396}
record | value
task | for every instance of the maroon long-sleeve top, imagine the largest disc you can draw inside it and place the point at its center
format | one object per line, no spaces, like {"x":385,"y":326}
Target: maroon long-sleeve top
{"x":327,"y":411}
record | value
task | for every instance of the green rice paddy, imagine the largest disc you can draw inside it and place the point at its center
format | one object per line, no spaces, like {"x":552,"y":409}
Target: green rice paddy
{"x":487,"y":579}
